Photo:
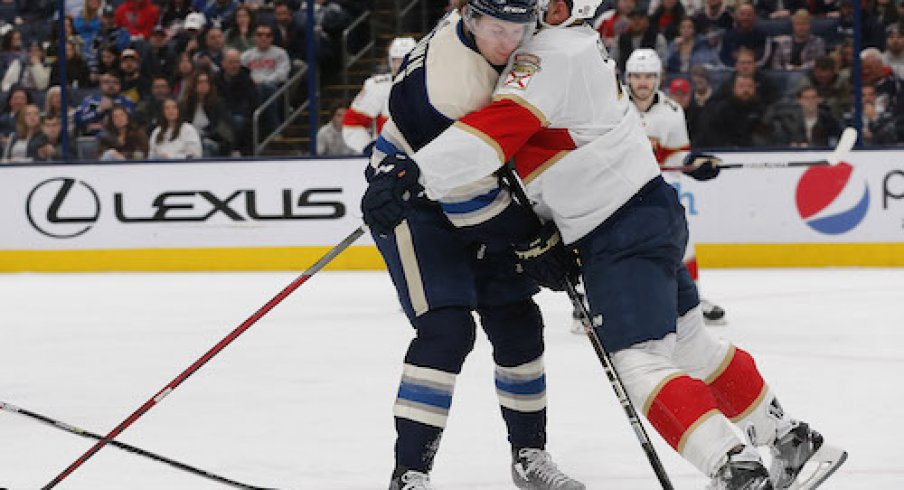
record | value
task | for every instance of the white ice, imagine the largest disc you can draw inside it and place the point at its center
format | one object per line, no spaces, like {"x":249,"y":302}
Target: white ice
{"x":303,"y":399}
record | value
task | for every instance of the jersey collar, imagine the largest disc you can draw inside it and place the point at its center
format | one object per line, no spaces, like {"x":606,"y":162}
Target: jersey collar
{"x":655,"y":101}
{"x":464,"y":37}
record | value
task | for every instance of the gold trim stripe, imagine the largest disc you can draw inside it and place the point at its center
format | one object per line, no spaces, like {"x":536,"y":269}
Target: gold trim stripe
{"x":545,"y":165}
{"x":482,"y":137}
{"x":690,"y":430}
{"x":722,"y":366}
{"x":525,"y":104}
{"x":756,"y":403}
{"x":652,"y":397}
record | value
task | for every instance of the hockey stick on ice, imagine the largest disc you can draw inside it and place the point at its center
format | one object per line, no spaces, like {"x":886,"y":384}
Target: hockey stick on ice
{"x":601,"y":353}
{"x":620,"y":392}
{"x":842,"y":149}
{"x":245,"y":325}
{"x":126,"y":447}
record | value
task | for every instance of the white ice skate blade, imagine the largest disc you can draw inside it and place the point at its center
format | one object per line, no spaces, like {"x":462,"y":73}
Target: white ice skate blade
{"x":819,"y":468}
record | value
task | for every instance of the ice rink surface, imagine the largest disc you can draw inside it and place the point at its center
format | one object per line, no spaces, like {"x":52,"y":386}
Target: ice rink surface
{"x":303,"y":399}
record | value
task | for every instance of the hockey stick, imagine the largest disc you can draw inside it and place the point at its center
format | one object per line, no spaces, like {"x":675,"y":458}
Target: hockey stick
{"x":845,"y":144}
{"x":601,"y":353}
{"x":245,"y":325}
{"x":620,"y":392}
{"x":126,"y":447}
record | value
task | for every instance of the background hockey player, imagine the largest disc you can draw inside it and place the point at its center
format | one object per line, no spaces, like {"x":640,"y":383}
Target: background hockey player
{"x":441,"y":272}
{"x":370,"y":109}
{"x":588,"y":166}
{"x":664,"y":123}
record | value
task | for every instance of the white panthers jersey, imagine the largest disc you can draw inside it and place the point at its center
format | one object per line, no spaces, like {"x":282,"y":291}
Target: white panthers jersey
{"x":665,"y":125}
{"x":368,"y":112}
{"x":561,"y":112}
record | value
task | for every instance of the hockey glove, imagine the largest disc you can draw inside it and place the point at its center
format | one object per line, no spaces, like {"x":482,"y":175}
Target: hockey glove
{"x":391,"y":185}
{"x":547,"y":260}
{"x":702,"y":166}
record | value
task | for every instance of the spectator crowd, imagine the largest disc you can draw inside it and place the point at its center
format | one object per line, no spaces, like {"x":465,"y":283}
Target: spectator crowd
{"x":151,"y":78}
{"x":182,"y":78}
{"x":769,"y":73}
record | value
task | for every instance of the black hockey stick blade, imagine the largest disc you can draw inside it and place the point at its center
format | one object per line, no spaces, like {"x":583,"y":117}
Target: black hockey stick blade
{"x":126,"y":447}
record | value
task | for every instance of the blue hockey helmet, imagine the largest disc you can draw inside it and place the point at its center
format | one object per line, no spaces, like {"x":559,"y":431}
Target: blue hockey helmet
{"x":517,"y":11}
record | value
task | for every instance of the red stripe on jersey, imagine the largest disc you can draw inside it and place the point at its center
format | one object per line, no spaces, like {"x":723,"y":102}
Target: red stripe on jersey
{"x":680,"y":403}
{"x":739,"y":387}
{"x":381,"y":120}
{"x":355,"y":118}
{"x":664,"y":152}
{"x":506,"y":122}
{"x":541,"y":148}
{"x":692,"y":268}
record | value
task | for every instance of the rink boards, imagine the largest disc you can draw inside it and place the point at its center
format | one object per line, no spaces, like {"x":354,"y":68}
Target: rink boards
{"x":284,"y":214}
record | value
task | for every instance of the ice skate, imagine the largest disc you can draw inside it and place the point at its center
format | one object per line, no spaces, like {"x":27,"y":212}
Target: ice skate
{"x":801,"y":460}
{"x":411,"y":480}
{"x":534,"y":469}
{"x":743,"y":470}
{"x":713,"y":314}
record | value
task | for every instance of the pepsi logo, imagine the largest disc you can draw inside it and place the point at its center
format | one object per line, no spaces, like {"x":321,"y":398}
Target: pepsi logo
{"x":832,"y":200}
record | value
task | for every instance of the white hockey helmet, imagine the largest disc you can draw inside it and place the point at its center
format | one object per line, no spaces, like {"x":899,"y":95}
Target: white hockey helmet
{"x":580,"y":9}
{"x":644,"y":60}
{"x":401,"y":46}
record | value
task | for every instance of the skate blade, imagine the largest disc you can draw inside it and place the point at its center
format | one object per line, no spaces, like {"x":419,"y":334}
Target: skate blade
{"x":819,"y":468}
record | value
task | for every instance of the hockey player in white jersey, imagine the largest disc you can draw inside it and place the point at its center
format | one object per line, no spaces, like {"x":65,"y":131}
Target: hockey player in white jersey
{"x":370,"y":109}
{"x":443,"y":273}
{"x":664,"y":123}
{"x":562,"y":115}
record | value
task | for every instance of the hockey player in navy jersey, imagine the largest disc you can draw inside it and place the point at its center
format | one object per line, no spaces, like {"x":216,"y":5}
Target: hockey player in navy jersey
{"x":445,"y":268}
{"x":663,"y":120}
{"x":561,"y":113}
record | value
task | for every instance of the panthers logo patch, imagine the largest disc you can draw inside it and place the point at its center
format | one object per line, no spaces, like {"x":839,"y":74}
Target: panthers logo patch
{"x":524,"y":68}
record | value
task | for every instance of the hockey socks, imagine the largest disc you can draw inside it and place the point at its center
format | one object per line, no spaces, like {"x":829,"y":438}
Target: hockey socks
{"x":522,"y":397}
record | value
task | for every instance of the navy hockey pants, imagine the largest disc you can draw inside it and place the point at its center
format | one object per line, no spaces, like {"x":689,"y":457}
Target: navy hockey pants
{"x":632,"y":268}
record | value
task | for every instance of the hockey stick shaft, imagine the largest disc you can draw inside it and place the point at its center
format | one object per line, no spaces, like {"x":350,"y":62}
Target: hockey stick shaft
{"x":245,"y":325}
{"x":813,"y":163}
{"x":126,"y":447}
{"x":846,"y":143}
{"x":618,"y":386}
{"x":517,"y":187}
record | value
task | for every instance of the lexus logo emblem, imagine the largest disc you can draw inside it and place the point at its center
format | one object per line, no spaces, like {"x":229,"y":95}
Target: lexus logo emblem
{"x":62,"y":207}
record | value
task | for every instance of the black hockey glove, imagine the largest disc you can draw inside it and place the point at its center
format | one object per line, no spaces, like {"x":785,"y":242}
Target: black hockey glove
{"x":702,"y":166}
{"x":391,"y":185}
{"x":547,"y":260}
